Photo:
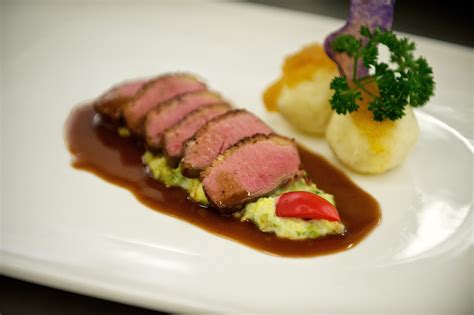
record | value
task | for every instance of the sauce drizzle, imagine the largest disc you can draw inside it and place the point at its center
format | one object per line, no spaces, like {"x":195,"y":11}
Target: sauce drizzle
{"x":97,"y":148}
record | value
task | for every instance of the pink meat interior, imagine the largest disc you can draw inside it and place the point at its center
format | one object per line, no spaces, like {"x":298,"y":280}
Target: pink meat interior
{"x":124,"y":90}
{"x":252,"y":170}
{"x":168,"y":115}
{"x":176,"y":137}
{"x":222,"y":135}
{"x":158,"y":92}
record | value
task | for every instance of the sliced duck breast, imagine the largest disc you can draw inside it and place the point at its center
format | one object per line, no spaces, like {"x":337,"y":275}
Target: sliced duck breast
{"x":111,"y":102}
{"x":252,"y":168}
{"x":155,"y":92}
{"x":169,"y":113}
{"x":216,"y":136}
{"x":175,"y":137}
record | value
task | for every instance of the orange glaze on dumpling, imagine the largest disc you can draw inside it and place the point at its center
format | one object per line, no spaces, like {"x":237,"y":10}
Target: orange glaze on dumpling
{"x":373,"y":130}
{"x":298,"y":67}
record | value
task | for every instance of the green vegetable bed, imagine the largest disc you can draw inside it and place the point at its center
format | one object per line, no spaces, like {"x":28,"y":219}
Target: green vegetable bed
{"x":261,"y":212}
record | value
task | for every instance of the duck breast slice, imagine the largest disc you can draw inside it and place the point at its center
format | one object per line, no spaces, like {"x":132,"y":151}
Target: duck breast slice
{"x":216,"y":136}
{"x":175,"y":137}
{"x":252,"y":168}
{"x":155,"y":92}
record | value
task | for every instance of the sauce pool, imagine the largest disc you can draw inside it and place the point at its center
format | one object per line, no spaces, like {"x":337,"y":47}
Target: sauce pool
{"x":97,"y":148}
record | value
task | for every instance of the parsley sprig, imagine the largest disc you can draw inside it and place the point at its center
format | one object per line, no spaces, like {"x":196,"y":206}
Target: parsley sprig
{"x":408,"y":81}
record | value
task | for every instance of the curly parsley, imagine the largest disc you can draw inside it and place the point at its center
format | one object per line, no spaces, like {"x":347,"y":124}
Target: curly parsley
{"x":410,"y":81}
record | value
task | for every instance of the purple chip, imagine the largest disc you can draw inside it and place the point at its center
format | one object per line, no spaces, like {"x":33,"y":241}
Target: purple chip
{"x":370,"y":13}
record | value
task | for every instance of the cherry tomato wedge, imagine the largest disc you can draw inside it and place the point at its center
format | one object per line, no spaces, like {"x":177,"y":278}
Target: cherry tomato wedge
{"x":306,"y":205}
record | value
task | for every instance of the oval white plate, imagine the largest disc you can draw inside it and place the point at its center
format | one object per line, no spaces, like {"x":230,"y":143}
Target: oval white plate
{"x":70,"y":229}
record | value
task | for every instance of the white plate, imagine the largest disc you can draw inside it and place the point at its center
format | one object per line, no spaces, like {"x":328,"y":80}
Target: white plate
{"x":72,"y":230}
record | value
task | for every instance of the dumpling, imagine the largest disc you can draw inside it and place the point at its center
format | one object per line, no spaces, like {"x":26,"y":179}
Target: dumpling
{"x":368,"y":146}
{"x":302,"y":93}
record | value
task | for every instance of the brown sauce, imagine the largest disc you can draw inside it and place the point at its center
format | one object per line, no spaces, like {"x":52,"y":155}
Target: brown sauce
{"x":102,"y":151}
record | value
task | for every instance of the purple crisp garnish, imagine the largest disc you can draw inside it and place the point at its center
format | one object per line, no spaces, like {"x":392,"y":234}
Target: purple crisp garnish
{"x":370,"y":13}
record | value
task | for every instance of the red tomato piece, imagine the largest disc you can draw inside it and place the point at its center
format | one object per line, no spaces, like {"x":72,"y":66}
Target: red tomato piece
{"x":306,"y":205}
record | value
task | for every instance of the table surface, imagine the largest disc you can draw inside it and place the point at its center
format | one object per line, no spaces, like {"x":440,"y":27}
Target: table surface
{"x":446,"y":23}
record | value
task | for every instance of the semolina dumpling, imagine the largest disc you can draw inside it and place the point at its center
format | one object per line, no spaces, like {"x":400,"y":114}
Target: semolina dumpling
{"x":369,"y":146}
{"x":302,"y":93}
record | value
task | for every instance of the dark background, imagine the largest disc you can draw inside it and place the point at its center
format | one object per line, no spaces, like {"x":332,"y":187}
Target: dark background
{"x":447,"y":21}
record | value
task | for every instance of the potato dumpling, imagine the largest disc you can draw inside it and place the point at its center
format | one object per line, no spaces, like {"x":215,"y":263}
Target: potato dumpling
{"x":302,"y":93}
{"x":368,"y":146}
